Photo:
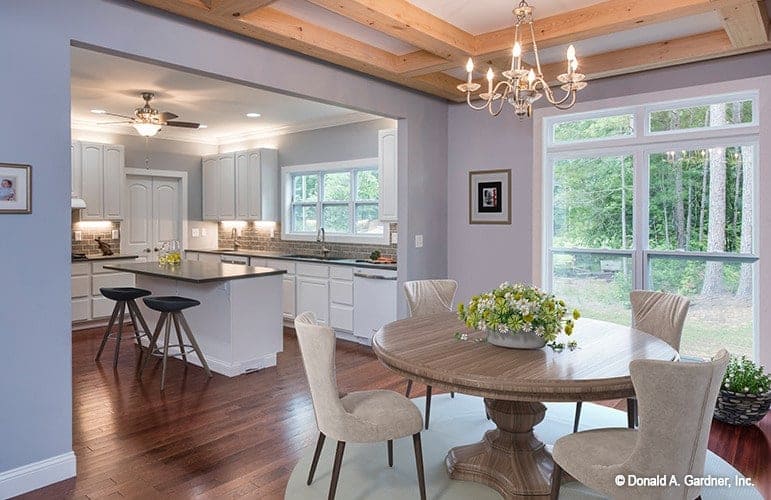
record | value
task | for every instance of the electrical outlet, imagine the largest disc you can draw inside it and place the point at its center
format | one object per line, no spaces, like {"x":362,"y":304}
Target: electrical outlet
{"x":196,"y":232}
{"x":78,"y":235}
{"x":115,"y":234}
{"x":418,"y":241}
{"x":203,"y":231}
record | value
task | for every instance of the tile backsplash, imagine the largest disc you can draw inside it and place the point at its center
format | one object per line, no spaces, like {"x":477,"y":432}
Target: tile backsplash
{"x":90,"y":230}
{"x":257,"y":237}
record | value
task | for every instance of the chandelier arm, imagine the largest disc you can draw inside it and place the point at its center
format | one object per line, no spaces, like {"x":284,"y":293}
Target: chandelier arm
{"x":567,"y":106}
{"x":549,"y":93}
{"x":535,"y":49}
{"x":468,"y":101}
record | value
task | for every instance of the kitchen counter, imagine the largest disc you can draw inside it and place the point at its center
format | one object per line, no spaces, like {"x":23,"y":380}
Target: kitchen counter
{"x":285,"y":256}
{"x":97,"y":257}
{"x":196,"y":272}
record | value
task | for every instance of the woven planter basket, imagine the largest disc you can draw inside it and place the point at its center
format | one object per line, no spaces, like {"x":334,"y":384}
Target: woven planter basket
{"x":737,"y":408}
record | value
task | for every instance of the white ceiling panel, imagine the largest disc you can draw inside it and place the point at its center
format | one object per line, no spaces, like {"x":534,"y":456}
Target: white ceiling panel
{"x":101,"y":81}
{"x":335,"y":22}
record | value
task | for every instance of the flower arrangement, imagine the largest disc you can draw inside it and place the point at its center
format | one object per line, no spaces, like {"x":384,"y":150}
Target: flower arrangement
{"x":742,"y":375}
{"x":511,"y":309}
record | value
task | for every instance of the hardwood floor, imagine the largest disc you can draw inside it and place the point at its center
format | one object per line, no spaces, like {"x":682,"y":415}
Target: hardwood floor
{"x":239,"y":437}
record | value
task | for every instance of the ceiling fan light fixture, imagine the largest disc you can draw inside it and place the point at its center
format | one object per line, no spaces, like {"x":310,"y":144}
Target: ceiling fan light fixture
{"x":98,"y":111}
{"x":147,"y":129}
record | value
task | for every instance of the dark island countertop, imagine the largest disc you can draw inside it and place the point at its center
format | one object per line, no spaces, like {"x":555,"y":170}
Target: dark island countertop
{"x":196,"y":272}
{"x":283,"y":256}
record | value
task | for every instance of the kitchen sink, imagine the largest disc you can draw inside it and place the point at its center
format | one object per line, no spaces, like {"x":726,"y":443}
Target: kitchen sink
{"x":313,"y":257}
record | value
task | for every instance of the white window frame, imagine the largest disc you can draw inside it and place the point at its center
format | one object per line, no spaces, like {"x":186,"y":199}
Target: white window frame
{"x":351,"y":166}
{"x":640,"y":147}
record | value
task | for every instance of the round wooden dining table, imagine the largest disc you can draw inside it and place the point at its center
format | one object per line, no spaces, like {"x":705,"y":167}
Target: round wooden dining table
{"x":514,"y":383}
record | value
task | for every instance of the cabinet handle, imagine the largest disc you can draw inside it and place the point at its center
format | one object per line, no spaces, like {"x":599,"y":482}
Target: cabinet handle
{"x":147,"y":250}
{"x":374,"y":277}
{"x":155,"y":249}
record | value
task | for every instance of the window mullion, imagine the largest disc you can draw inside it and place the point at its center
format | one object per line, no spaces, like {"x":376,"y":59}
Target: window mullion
{"x":641,"y":214}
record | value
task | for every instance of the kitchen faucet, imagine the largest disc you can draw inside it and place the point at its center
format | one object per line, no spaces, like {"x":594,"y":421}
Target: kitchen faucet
{"x":234,"y":233}
{"x":321,"y":237}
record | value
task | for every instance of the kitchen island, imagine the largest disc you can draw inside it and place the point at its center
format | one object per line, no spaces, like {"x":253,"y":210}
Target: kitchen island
{"x":238,"y":325}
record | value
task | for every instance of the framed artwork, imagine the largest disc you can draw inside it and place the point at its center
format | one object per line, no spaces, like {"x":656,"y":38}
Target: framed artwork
{"x":15,"y":188}
{"x":489,"y":197}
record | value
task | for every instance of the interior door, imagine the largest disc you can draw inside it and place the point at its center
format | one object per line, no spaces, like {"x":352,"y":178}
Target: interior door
{"x":154,"y":214}
{"x":167,"y":222}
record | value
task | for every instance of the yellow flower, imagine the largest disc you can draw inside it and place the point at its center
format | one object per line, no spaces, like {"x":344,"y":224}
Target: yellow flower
{"x":576,"y":314}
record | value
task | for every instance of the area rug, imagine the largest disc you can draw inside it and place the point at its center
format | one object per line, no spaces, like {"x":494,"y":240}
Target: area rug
{"x":365,"y":473}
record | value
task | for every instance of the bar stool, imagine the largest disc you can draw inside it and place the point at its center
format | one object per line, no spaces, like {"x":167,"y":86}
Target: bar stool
{"x":171,"y":308}
{"x":124,"y":297}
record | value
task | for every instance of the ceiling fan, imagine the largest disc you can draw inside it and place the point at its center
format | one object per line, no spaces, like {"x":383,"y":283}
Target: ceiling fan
{"x":148,"y":121}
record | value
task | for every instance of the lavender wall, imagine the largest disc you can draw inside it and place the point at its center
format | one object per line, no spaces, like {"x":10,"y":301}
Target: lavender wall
{"x":480,"y":257}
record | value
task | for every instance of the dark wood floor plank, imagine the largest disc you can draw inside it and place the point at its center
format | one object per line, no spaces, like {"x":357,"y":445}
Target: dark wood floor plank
{"x":240,"y":437}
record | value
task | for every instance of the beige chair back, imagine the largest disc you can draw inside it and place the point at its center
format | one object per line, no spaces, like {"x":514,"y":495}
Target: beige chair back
{"x":430,"y":296}
{"x":660,"y":314}
{"x":676,"y":401}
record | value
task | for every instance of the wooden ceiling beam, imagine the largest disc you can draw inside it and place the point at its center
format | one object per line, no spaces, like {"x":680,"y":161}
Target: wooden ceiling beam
{"x":406,"y":22}
{"x":746,"y":23}
{"x":236,"y":8}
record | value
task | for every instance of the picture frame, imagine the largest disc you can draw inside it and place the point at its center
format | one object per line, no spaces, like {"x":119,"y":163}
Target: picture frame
{"x":489,"y":196}
{"x":15,"y":188}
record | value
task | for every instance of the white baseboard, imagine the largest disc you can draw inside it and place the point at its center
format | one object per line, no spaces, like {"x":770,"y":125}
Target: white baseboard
{"x":36,"y":475}
{"x":229,"y":369}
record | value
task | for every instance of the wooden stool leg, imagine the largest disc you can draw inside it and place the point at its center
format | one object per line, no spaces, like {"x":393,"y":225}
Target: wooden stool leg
{"x":166,"y":334}
{"x":316,"y":455}
{"x":390,"y":446}
{"x":138,"y":315}
{"x":409,"y":388}
{"x":419,"y":465}
{"x":120,"y":333}
{"x":195,"y":344}
{"x":107,"y":332}
{"x":153,"y":341}
{"x":135,"y":326}
{"x":577,"y":417}
{"x":428,"y":404}
{"x":336,"y":469}
{"x":179,"y":337}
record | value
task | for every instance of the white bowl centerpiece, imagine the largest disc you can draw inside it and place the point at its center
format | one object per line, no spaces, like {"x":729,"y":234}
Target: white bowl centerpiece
{"x":518,"y":316}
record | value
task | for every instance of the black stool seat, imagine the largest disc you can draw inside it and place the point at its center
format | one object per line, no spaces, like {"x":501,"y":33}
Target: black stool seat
{"x":124,"y":293}
{"x":170,"y":304}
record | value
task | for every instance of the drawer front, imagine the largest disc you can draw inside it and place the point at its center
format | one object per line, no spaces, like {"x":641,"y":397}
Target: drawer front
{"x":235,"y":259}
{"x":98,"y":267}
{"x":341,"y":292}
{"x":288,"y":297}
{"x":102,"y":308}
{"x":81,"y":268}
{"x":286,"y":265}
{"x":191,"y":255}
{"x":257,"y":262}
{"x":313,"y":270}
{"x":341,"y":273}
{"x":111,"y":280}
{"x":81,"y":309}
{"x":80,"y":286}
{"x":341,"y":317}
{"x":209,"y":257}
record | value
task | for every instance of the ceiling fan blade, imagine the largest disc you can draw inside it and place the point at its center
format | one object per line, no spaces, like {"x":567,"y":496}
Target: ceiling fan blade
{"x":119,"y":116}
{"x":116,"y":123}
{"x":183,"y":124}
{"x":166,"y":116}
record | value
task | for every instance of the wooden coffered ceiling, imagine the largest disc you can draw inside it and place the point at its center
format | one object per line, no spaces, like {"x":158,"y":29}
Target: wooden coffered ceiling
{"x":398,"y":41}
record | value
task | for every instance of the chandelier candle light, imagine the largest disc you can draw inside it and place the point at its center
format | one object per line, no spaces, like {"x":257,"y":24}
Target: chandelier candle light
{"x":522,"y":86}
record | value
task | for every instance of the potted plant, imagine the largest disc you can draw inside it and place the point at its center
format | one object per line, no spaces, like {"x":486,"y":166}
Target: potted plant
{"x":745,"y":395}
{"x":518,"y":316}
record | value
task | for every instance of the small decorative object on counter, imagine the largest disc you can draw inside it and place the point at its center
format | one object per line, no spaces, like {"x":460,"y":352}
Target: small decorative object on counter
{"x":518,"y":316}
{"x":170,"y":253}
{"x":375,"y":255}
{"x":745,"y":395}
{"x":103,"y":246}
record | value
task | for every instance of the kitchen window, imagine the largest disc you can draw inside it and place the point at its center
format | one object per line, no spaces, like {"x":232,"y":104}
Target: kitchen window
{"x":341,"y":197}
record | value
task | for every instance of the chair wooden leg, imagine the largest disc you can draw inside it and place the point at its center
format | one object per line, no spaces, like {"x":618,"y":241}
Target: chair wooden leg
{"x":107,"y":332}
{"x":121,"y":316}
{"x":631,"y":412}
{"x":153,"y":342}
{"x":390,"y":452}
{"x":419,"y":465}
{"x":428,"y":404}
{"x":316,"y":455}
{"x":452,"y":394}
{"x":556,"y":481}
{"x":166,"y":335}
{"x":409,"y":388}
{"x":577,"y":418}
{"x":336,"y":469}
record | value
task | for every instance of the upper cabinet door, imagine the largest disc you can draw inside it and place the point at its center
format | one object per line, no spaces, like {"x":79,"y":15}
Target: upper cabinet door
{"x":92,"y":183}
{"x":114,"y":179}
{"x":270,"y":191}
{"x":210,"y":180}
{"x":253,"y":185}
{"x":388,"y":174}
{"x":77,"y":169}
{"x":227,"y":170}
{"x":243,"y":194}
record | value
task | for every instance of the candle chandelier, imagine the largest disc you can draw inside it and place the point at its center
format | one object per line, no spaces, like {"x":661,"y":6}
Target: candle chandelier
{"x":522,"y":86}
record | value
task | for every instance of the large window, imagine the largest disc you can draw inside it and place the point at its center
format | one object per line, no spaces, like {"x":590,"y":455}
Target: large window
{"x":667,"y":205}
{"x":340,"y":197}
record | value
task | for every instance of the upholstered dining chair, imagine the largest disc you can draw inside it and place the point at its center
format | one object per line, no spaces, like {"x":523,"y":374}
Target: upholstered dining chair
{"x":357,"y":417}
{"x":659,"y":314}
{"x":676,"y":401}
{"x":426,"y":297}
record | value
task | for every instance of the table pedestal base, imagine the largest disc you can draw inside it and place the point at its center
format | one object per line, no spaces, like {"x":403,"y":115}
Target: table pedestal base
{"x":509,"y":459}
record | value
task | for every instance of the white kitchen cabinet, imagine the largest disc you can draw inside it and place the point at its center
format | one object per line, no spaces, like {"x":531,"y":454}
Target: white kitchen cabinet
{"x":288,"y":296}
{"x":86,"y":279}
{"x":77,"y":169}
{"x":245,"y":185}
{"x":235,"y":259}
{"x":388,"y":174}
{"x":313,"y":295}
{"x":257,"y":262}
{"x":210,"y":180}
{"x":218,"y":177}
{"x":226,"y":165}
{"x":101,"y":178}
{"x":211,"y":258}
{"x":341,"y":298}
{"x":243,"y":172}
{"x":191,"y":255}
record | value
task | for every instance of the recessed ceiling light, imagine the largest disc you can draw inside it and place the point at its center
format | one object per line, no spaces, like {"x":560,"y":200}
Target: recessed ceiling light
{"x":253,"y":115}
{"x":98,"y":111}
{"x":203,"y":126}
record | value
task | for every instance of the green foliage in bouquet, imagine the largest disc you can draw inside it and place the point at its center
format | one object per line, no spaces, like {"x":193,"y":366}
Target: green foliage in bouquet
{"x":511,"y":309}
{"x":744,"y":376}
